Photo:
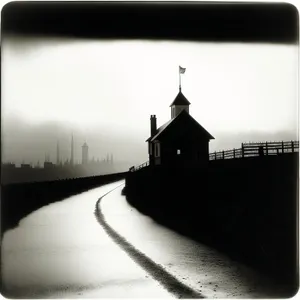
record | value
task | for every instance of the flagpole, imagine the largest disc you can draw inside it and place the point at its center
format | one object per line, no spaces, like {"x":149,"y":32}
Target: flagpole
{"x":179,"y":81}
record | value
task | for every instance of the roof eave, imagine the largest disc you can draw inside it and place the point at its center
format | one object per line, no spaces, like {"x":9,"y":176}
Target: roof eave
{"x":188,"y":103}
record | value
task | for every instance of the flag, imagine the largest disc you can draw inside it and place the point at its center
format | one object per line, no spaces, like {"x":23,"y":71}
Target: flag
{"x":181,"y":70}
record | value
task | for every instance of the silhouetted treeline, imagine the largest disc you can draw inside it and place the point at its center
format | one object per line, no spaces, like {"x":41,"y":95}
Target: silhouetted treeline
{"x":19,"y":200}
{"x":244,"y":207}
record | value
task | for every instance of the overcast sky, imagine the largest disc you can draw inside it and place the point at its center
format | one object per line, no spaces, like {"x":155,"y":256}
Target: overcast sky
{"x":105,"y":91}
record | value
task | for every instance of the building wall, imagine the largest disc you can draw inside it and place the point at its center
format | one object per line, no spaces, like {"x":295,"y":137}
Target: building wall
{"x":185,"y":135}
{"x":190,"y":153}
{"x":154,"y":151}
{"x":193,"y":146}
{"x":151,"y":153}
{"x":193,"y":150}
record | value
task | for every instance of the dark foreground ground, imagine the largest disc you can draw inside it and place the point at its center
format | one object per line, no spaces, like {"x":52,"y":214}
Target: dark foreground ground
{"x":245,"y":208}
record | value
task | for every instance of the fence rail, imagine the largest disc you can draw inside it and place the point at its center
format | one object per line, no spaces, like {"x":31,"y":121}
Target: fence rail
{"x":257,"y":149}
{"x":247,"y":150}
{"x":145,"y":164}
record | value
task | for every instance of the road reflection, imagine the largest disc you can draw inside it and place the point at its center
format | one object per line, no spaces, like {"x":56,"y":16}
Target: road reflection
{"x":61,"y":251}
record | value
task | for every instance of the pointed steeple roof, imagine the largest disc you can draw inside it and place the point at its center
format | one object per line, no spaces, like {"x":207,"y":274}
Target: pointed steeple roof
{"x":180,"y":100}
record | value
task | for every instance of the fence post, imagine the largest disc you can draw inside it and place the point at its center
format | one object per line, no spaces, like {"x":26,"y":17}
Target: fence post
{"x":242,"y":149}
{"x":282,"y":147}
{"x":292,"y":146}
{"x":233,"y":152}
{"x":267,"y":148}
{"x":215,"y":155}
{"x":223,"y":154}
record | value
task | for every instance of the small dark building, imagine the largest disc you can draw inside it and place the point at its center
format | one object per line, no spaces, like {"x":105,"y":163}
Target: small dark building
{"x":8,"y":166}
{"x":180,"y":141}
{"x":25,"y":166}
{"x":48,"y":165}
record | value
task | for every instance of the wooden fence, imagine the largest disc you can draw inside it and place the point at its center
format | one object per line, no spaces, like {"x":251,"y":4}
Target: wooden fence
{"x":145,"y":164}
{"x":257,"y":149}
{"x":247,"y":150}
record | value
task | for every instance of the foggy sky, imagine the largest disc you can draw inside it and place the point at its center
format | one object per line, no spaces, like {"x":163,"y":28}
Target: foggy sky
{"x":104,"y":93}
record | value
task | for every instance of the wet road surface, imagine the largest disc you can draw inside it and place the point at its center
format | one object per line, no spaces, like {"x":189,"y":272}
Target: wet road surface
{"x":198,"y":266}
{"x":63,"y":251}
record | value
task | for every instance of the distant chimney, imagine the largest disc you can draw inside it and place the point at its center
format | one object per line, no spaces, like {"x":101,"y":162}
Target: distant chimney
{"x":153,"y":125}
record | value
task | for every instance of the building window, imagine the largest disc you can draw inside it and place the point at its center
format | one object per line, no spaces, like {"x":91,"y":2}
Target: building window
{"x":173,"y":112}
{"x":178,"y":151}
{"x":157,"y":150}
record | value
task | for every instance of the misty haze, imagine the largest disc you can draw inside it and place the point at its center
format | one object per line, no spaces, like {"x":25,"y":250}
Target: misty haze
{"x":156,"y":159}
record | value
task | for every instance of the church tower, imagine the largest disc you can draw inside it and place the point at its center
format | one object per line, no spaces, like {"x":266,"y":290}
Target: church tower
{"x":179,"y":104}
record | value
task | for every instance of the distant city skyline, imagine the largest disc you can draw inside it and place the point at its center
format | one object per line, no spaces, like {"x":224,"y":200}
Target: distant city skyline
{"x":59,"y":160}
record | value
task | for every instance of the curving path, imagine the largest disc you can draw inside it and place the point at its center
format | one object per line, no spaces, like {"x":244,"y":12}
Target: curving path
{"x":61,"y":251}
{"x":170,"y":282}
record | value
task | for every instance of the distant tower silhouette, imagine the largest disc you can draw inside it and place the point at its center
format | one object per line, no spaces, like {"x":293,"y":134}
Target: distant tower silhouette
{"x":47,"y":157}
{"x":85,"y":154}
{"x":72,"y":152}
{"x":111,"y":158}
{"x":57,"y":154}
